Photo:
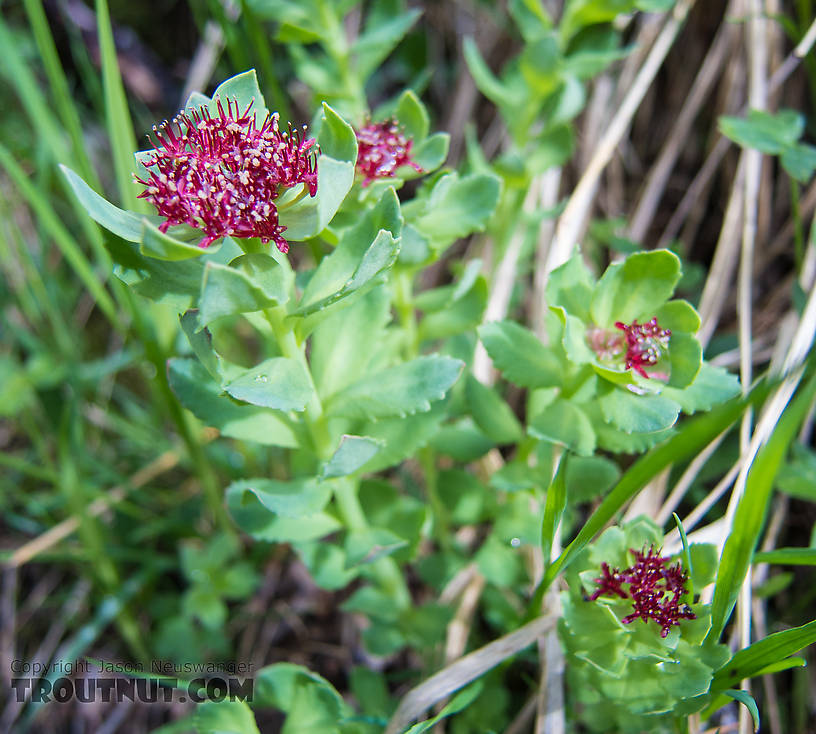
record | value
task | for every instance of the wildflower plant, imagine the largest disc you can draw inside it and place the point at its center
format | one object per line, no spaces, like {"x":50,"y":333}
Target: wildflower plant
{"x":622,"y":360}
{"x":634,"y":633}
{"x":243,"y":193}
{"x":346,"y":397}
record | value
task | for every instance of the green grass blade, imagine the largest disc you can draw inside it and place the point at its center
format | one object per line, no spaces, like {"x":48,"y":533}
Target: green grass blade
{"x":117,"y":114}
{"x":750,"y":515}
{"x":788,"y":556}
{"x":62,"y":237}
{"x":756,"y":658}
{"x":554,"y":507}
{"x":63,"y":100}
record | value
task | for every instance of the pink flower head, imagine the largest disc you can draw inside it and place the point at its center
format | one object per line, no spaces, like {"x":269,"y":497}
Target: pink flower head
{"x":655,"y":589}
{"x":644,"y":344}
{"x":381,"y":149}
{"x":221,"y":173}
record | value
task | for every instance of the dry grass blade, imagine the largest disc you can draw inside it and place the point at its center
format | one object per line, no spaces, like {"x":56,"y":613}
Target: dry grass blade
{"x":573,"y":219}
{"x":62,"y":530}
{"x":658,"y":177}
{"x":464,"y":671}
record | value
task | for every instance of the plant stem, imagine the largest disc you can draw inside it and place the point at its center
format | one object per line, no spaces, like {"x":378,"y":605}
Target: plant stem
{"x":441,"y":524}
{"x":288,"y":344}
{"x":404,"y":304}
{"x":384,"y":569}
{"x":346,"y":490}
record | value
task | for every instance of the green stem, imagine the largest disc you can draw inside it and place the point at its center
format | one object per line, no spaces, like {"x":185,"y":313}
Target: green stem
{"x":289,"y":347}
{"x":404,"y":304}
{"x":337,"y":48}
{"x":384,"y":569}
{"x":346,"y":490}
{"x":441,"y":524}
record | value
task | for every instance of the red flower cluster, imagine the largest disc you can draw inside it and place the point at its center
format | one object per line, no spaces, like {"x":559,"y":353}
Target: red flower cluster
{"x":654,"y":587}
{"x":644,"y":344}
{"x":221,"y":173}
{"x":381,"y":149}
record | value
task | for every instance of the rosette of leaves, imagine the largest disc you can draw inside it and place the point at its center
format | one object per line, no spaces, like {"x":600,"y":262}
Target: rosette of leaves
{"x":627,"y":673}
{"x":583,"y":391}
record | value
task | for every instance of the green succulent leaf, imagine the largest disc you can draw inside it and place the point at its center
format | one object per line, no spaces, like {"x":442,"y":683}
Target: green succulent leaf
{"x":244,"y":89}
{"x":198,"y":392}
{"x":294,"y":498}
{"x":520,"y":356}
{"x":353,"y":453}
{"x":249,"y":283}
{"x":124,"y":224}
{"x":564,"y":423}
{"x":633,"y":413}
{"x":407,"y":388}
{"x":225,"y":717}
{"x":491,"y":413}
{"x":570,"y":286}
{"x":412,"y":116}
{"x":635,"y":288}
{"x":279,"y":383}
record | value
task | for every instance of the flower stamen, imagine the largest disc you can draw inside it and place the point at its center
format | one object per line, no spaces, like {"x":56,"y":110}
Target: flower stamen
{"x":220,"y":173}
{"x":381,"y":149}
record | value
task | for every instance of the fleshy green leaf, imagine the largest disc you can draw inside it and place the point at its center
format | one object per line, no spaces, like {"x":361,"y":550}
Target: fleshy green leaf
{"x":366,"y":545}
{"x":278,"y":383}
{"x":250,"y":283}
{"x":243,"y":88}
{"x":564,"y":423}
{"x":365,"y":251}
{"x":570,"y":286}
{"x":635,"y":288}
{"x":124,"y":224}
{"x":352,"y":454}
{"x":225,"y":717}
{"x":638,"y":413}
{"x":402,"y":436}
{"x":255,"y":519}
{"x":407,"y":388}
{"x":294,"y":498}
{"x":335,"y":176}
{"x":458,"y":206}
{"x":164,"y":247}
{"x":431,"y":152}
{"x":488,"y":84}
{"x":799,"y":161}
{"x":520,"y":356}
{"x":345,"y":343}
{"x":377,"y":259}
{"x":711,"y":386}
{"x":197,"y":392}
{"x":763,"y":131}
{"x":311,"y":704}
{"x":375,"y":43}
{"x":336,"y":138}
{"x":491,"y":413}
{"x":678,"y":316}
{"x":412,"y":116}
{"x":686,"y":359}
